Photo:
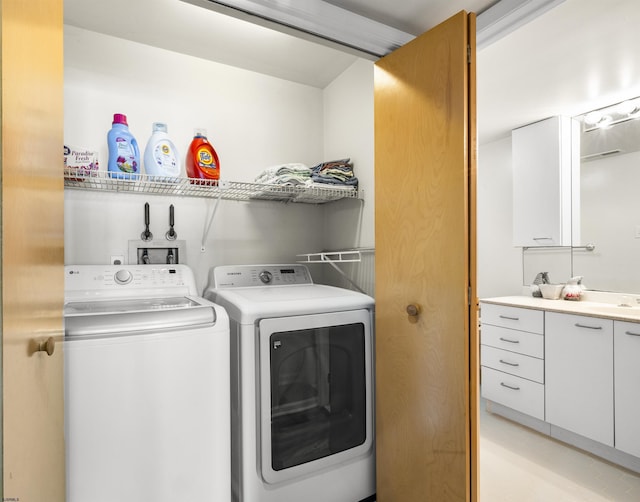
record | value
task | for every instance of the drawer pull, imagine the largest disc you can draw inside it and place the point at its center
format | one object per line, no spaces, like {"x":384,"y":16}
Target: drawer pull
{"x":509,"y":386}
{"x":510,"y":318}
{"x":509,"y":341}
{"x":631,"y":333}
{"x":509,"y":364}
{"x":578,"y":325}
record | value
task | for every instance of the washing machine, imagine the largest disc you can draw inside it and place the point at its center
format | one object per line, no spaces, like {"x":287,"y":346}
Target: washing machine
{"x":146,"y":387}
{"x":301,"y":385}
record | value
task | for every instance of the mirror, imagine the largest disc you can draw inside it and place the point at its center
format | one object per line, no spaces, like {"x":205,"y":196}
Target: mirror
{"x":609,"y":195}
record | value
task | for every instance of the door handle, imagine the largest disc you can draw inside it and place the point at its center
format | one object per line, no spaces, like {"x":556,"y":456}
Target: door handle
{"x":413,"y":311}
{"x":578,"y":325}
{"x":48,"y":346}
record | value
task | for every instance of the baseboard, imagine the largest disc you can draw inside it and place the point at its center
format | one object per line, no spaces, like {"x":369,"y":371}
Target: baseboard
{"x":603,"y":451}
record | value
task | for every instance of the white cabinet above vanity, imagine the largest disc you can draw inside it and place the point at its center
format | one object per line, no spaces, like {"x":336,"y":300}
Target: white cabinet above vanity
{"x":567,"y":369}
{"x":544,"y":156}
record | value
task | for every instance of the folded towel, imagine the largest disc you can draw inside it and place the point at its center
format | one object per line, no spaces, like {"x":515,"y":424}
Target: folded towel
{"x":285,"y":174}
{"x":334,"y":172}
{"x":328,"y":185}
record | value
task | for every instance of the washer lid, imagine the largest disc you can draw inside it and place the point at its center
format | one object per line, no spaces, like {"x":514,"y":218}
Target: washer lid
{"x":118,"y":317}
{"x":130,"y":305}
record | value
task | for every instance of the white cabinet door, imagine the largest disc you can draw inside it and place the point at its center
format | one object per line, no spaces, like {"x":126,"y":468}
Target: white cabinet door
{"x":542,"y":155}
{"x":579,"y":375}
{"x":627,"y":378}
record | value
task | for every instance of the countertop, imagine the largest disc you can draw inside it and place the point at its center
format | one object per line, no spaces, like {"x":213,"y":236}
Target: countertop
{"x":581,"y":307}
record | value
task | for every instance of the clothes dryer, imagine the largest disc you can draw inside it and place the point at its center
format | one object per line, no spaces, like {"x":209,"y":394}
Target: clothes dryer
{"x":301,"y":385}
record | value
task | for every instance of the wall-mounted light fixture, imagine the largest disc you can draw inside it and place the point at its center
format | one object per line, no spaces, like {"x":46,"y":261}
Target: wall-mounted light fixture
{"x":611,"y":115}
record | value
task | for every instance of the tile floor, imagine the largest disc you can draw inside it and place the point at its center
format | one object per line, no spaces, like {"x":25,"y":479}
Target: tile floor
{"x":521,"y":465}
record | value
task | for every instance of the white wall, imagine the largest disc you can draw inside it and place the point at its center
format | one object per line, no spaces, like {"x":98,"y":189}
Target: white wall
{"x":254,"y":121}
{"x":348,"y":132}
{"x":499,"y":263}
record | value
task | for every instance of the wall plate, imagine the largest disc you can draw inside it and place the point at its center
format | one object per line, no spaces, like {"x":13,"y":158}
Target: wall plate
{"x":158,"y":251}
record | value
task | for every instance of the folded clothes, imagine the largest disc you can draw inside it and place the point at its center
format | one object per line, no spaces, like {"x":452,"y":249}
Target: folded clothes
{"x":327,"y":180}
{"x":334,"y":186}
{"x":285,"y":174}
{"x":334,"y":172}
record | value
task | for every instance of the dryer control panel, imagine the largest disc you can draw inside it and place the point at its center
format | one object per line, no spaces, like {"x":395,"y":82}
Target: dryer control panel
{"x":244,"y":276}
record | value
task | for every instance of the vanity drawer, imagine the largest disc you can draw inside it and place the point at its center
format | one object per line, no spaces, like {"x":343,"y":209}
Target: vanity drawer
{"x":520,"y":365}
{"x":529,"y":344}
{"x":514,"y":392}
{"x":512,"y":317}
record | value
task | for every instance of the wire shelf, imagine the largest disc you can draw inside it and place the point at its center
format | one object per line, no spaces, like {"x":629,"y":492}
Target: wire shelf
{"x":345,"y":256}
{"x":186,"y":187}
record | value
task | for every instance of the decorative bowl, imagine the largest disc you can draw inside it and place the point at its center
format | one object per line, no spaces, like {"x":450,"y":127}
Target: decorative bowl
{"x":551,"y":291}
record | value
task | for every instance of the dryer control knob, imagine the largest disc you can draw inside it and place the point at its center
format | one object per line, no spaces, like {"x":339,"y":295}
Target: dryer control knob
{"x":265,"y":276}
{"x":123,"y":277}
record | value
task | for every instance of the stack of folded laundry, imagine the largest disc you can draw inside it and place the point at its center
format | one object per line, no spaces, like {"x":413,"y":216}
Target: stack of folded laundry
{"x":285,"y":174}
{"x":337,"y":173}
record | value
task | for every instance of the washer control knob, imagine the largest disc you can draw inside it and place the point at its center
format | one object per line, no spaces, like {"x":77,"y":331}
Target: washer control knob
{"x":265,"y":276}
{"x":123,"y":276}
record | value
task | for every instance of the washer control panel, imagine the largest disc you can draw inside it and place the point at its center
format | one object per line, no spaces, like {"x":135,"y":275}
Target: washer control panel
{"x":243,"y":276}
{"x":123,"y":276}
{"x":103,"y":280}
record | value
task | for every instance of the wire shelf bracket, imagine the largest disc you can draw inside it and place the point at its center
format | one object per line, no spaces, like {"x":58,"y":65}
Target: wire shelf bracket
{"x":334,"y":257}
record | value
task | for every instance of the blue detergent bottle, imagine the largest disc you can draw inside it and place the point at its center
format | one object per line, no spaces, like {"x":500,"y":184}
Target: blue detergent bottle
{"x":124,"y":154}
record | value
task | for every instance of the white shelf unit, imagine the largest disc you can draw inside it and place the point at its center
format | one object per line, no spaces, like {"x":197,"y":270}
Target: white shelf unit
{"x":334,"y":257}
{"x":346,"y":256}
{"x":185,"y":187}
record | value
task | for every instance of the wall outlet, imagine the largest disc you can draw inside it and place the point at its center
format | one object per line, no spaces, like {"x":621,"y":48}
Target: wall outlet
{"x":117,"y":259}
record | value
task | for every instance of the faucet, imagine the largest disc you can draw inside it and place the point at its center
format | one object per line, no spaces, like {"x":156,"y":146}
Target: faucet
{"x":625,"y":301}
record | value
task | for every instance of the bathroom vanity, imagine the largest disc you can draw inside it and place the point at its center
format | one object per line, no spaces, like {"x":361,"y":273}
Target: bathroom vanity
{"x":567,"y":369}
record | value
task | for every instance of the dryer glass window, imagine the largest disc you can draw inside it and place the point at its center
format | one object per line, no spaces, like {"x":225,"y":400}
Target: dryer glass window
{"x":318,"y":393}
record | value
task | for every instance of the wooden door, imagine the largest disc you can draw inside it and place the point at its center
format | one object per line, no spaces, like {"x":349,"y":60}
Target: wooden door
{"x":31,"y":127}
{"x":426,"y":364}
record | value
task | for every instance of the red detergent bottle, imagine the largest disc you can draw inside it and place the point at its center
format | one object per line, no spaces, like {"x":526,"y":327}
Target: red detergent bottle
{"x":202,"y":160}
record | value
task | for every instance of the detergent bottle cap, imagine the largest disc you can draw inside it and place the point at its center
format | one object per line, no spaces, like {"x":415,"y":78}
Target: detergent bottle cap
{"x":159,"y":126}
{"x":200,"y":132}
{"x":119,"y":118}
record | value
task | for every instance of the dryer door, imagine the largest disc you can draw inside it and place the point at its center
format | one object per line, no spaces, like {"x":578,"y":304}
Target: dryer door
{"x":316,"y":394}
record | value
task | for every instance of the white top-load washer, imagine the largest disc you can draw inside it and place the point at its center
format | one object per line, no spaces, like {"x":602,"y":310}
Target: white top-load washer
{"x":301,"y":385}
{"x":146,"y":386}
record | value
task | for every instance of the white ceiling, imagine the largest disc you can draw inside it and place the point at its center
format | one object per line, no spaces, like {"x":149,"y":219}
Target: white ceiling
{"x":582,"y":54}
